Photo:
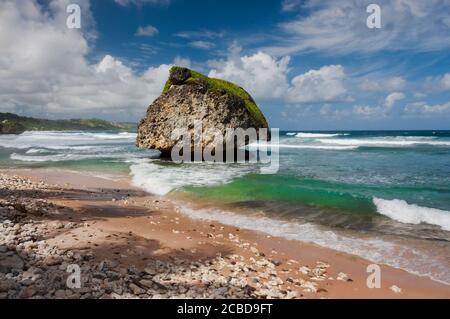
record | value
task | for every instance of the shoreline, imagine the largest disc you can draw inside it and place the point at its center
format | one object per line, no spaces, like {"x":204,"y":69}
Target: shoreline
{"x":144,"y":227}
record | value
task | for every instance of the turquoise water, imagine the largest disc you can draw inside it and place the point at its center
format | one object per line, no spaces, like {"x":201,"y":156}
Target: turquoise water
{"x":354,"y":174}
{"x":391,"y":189}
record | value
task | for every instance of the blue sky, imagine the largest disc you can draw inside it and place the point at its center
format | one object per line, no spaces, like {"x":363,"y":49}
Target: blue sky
{"x":179,"y":24}
{"x":310,"y":65}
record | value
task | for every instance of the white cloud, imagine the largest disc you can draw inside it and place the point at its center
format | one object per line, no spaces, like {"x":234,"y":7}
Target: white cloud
{"x":389,"y":84}
{"x":184,"y":62}
{"x":419,"y":95}
{"x":445,"y":81}
{"x":366,"y":111}
{"x":266,"y":77}
{"x":427,"y":109}
{"x":437,"y":108}
{"x":110,"y":65}
{"x":332,"y":112}
{"x":436,"y":84}
{"x":339,"y":26}
{"x":395,"y":83}
{"x":381,"y":110}
{"x":141,"y":2}
{"x":204,"y":45}
{"x":290,"y":5}
{"x":202,"y":34}
{"x":45,"y":69}
{"x":392,"y":98}
{"x":260,"y":74}
{"x":147,"y":31}
{"x":325,"y":84}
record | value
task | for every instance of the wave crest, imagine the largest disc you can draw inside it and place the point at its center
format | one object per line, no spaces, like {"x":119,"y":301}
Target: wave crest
{"x":403,"y":212}
{"x":315,"y":135}
{"x":383,"y":142}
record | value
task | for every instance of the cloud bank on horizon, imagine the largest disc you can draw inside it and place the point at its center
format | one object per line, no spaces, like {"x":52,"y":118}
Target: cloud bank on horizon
{"x":313,"y":65}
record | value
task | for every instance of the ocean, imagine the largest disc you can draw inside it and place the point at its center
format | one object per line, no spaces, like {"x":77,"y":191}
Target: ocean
{"x":382,"y":195}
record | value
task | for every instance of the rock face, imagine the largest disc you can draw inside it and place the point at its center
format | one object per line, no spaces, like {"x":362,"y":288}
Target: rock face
{"x":10,"y":127}
{"x":190,"y":97}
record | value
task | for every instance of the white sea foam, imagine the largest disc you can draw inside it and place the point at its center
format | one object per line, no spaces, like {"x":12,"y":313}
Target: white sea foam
{"x":60,"y":147}
{"x":112,"y":136}
{"x":403,"y":212}
{"x":374,"y":249}
{"x":303,"y":146}
{"x":315,"y":135}
{"x":50,"y":146}
{"x":161,"y":179}
{"x":69,"y":157}
{"x":35,"y":151}
{"x":61,"y":140}
{"x":384,"y":142}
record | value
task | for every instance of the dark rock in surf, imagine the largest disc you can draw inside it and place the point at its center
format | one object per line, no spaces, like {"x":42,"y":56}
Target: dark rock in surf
{"x":190,"y":97}
{"x":11,"y":127}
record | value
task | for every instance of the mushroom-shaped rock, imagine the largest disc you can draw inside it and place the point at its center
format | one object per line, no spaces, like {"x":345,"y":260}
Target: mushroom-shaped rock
{"x":191,"y":99}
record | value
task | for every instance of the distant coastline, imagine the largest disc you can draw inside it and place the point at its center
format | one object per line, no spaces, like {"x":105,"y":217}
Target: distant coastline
{"x":14,"y":124}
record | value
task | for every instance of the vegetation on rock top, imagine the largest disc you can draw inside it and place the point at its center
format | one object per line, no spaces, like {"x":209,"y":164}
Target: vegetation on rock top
{"x":218,"y":84}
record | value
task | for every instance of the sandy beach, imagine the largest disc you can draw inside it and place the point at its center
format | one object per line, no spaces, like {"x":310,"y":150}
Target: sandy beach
{"x":131,"y":244}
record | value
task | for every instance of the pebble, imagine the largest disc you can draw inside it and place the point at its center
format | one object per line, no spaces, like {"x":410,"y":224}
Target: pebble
{"x":31,"y":267}
{"x":396,"y":289}
{"x":136,"y":290}
{"x":60,"y":294}
{"x":343,"y":277}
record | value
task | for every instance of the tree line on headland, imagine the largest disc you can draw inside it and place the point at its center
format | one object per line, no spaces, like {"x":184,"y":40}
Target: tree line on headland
{"x":14,"y":124}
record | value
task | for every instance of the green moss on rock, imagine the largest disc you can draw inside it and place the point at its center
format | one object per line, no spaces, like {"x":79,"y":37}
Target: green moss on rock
{"x":217,"y":85}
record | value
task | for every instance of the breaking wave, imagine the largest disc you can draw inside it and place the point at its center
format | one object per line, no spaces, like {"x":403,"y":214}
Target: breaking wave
{"x":403,"y":212}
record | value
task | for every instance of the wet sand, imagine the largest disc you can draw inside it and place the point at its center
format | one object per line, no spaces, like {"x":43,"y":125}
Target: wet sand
{"x":125,"y":224}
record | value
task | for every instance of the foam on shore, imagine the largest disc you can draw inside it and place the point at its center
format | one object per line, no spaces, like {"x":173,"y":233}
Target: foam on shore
{"x":161,"y":179}
{"x":403,"y":212}
{"x":416,"y":261}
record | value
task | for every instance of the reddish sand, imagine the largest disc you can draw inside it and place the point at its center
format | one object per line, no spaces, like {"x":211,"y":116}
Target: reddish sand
{"x":132,"y":227}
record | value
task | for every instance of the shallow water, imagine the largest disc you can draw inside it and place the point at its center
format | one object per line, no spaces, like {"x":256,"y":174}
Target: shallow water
{"x":382,"y":195}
